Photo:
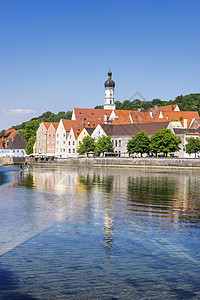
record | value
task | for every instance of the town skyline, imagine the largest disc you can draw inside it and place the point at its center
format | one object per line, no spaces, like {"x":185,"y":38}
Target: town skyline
{"x":56,"y":56}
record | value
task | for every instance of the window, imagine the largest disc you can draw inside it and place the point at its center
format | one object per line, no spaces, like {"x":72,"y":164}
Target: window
{"x":83,"y":126}
{"x":79,"y":142}
{"x":63,"y":142}
{"x":52,"y":134}
{"x":57,"y":143}
{"x":52,"y":148}
{"x":49,"y":148}
{"x":57,"y":135}
{"x":56,"y":149}
{"x":69,"y":150}
{"x":63,"y":149}
{"x":115,"y":143}
{"x":49,"y":134}
{"x":63,"y":134}
{"x":60,"y":149}
{"x":73,"y":150}
{"x":17,"y":151}
{"x":52,"y":141}
{"x":73,"y":142}
{"x":120,"y":143}
{"x":47,"y":141}
{"x":69,"y":142}
{"x":13,"y":151}
{"x":93,"y":125}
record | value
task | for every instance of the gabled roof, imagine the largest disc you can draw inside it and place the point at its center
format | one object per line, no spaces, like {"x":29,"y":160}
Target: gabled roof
{"x":6,"y":136}
{"x":133,"y":129}
{"x":77,"y":131}
{"x":89,"y":130}
{"x":68,"y":124}
{"x":55,"y":125}
{"x":46,"y":124}
{"x":17,"y":142}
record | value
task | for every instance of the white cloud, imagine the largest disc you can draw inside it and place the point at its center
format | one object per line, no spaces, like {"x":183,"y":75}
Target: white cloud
{"x":18,"y":111}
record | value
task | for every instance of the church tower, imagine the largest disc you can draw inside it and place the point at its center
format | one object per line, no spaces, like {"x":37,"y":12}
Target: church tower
{"x":109,"y":92}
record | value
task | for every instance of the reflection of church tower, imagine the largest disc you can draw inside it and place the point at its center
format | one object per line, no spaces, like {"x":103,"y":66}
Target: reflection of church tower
{"x":109,"y":92}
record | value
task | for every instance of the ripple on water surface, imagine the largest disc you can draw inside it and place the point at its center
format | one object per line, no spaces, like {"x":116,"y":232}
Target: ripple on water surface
{"x":81,"y":233}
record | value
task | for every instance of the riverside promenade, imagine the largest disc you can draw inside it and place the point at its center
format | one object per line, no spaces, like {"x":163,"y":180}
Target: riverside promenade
{"x":188,"y":163}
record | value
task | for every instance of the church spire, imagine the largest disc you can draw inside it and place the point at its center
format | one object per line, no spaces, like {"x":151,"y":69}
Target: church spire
{"x":109,"y":92}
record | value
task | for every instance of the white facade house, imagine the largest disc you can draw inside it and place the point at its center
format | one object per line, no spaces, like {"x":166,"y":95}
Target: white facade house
{"x":40,"y":145}
{"x":61,"y":140}
{"x":72,"y":142}
{"x":121,"y":134}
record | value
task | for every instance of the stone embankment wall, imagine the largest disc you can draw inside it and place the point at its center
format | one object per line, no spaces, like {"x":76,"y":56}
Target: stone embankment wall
{"x":123,"y":162}
{"x":193,"y":163}
{"x":6,"y":161}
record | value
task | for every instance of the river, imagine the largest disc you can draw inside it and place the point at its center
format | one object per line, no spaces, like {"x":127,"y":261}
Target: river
{"x":99,"y":233}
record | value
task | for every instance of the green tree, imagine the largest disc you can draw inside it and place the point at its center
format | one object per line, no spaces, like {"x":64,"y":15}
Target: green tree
{"x":30,"y":129}
{"x":104,"y":144}
{"x":164,"y":141}
{"x":139,"y":143}
{"x":193,"y":145}
{"x":30,"y":144}
{"x":86,"y":145}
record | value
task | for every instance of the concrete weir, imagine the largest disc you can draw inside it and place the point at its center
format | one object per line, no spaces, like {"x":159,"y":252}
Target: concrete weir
{"x":188,"y":163}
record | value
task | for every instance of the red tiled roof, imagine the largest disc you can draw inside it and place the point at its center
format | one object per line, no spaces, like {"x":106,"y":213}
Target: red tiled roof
{"x":175,"y":115}
{"x":55,"y":125}
{"x":6,"y":136}
{"x":47,"y":124}
{"x":91,"y":114}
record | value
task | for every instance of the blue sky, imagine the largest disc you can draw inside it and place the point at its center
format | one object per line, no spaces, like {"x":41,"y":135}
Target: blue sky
{"x":55,"y":55}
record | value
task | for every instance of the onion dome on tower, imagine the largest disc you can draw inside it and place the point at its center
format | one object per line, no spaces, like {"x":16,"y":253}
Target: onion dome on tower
{"x":109,"y":82}
{"x":109,"y":92}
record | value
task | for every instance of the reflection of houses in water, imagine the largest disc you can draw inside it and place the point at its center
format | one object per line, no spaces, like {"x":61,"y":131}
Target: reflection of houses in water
{"x":57,"y":179}
{"x":160,"y":193}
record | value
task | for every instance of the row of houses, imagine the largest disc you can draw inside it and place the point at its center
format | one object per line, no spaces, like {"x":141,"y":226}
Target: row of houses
{"x":63,"y":139}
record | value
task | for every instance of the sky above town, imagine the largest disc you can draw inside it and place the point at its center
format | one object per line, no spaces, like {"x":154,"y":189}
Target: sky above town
{"x":55,"y":55}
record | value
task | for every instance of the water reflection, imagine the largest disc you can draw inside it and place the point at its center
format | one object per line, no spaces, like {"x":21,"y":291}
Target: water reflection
{"x":104,"y":184}
{"x":72,"y":232}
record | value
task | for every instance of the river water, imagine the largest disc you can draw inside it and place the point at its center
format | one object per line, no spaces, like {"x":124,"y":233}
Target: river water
{"x":99,"y":233}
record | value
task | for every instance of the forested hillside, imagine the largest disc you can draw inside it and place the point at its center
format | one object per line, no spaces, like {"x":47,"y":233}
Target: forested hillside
{"x":189,"y":102}
{"x":47,"y":117}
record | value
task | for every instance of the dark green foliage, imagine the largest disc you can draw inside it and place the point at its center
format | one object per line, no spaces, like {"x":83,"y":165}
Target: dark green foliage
{"x":164,"y":141}
{"x":193,"y":145}
{"x":104,"y":144}
{"x":2,"y":131}
{"x":99,"y":107}
{"x":30,"y":129}
{"x":87,"y":145}
{"x":139,"y":143}
{"x":48,"y":116}
{"x":30,"y":144}
{"x":189,"y":102}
